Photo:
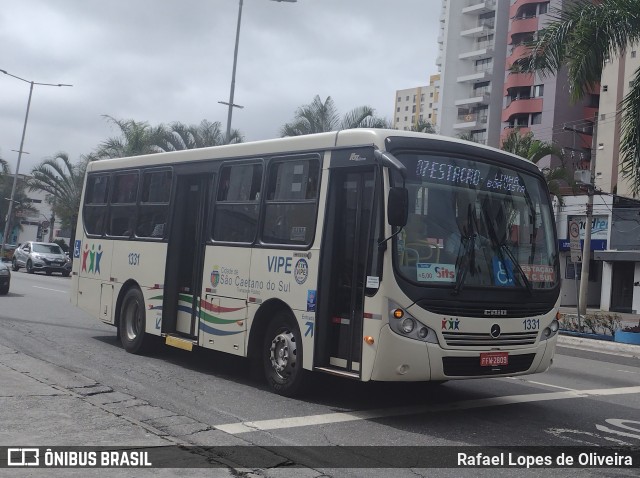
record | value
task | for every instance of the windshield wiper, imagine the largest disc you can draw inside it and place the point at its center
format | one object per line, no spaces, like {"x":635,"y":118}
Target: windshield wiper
{"x":514,"y":261}
{"x":503,"y":247}
{"x":468,"y":256}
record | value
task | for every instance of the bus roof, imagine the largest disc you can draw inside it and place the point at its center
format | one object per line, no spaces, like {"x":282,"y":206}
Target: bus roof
{"x":319,"y":141}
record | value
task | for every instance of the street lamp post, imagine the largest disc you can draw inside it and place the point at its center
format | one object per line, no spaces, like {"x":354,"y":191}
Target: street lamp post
{"x":231,"y":104}
{"x":7,"y":225}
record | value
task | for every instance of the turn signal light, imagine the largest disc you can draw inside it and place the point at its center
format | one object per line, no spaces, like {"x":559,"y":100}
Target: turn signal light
{"x":398,"y":313}
{"x":369,"y":340}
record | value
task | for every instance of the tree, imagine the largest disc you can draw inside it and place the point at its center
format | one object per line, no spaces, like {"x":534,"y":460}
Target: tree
{"x":583,"y":37}
{"x":179,"y":136}
{"x":21,"y":203}
{"x":527,"y":147}
{"x":4,"y":167}
{"x":424,"y":127}
{"x":322,"y":116}
{"x":137,"y":138}
{"x":62,"y":181}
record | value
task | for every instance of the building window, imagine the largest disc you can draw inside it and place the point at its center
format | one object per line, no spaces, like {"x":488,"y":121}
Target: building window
{"x":429,"y":116}
{"x":413,"y":110}
{"x":633,"y":54}
{"x":399,"y":99}
{"x":421,"y":118}
{"x":398,"y":110}
{"x":422,"y":97}
{"x":406,"y":108}
{"x":405,"y":118}
{"x":543,"y":8}
{"x":407,"y":97}
{"x":414,"y":98}
{"x":536,"y":118}
{"x":538,"y":91}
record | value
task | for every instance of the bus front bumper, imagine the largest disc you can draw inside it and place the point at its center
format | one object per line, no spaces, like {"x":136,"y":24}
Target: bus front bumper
{"x":401,"y":359}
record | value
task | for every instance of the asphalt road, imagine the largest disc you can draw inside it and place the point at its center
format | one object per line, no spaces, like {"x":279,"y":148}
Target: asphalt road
{"x":206,"y":398}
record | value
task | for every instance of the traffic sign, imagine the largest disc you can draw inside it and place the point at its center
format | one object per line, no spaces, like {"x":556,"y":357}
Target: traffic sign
{"x":574,"y":241}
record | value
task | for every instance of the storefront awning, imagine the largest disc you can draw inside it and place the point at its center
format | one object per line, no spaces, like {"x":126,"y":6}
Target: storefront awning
{"x":617,"y":256}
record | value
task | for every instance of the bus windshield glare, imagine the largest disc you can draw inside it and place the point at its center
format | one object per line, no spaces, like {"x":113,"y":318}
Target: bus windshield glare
{"x":475,"y":224}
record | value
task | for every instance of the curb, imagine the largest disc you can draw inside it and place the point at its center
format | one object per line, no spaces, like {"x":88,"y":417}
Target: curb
{"x":595,"y":345}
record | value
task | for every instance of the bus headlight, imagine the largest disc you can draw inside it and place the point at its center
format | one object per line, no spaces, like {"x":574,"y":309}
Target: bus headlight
{"x":551,"y":330}
{"x":403,"y":323}
{"x":408,"y":325}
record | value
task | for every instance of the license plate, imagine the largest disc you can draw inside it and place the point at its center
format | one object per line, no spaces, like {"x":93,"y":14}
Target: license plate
{"x":493,"y":359}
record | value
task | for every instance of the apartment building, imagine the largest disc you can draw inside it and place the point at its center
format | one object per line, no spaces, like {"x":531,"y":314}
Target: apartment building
{"x":415,"y":105}
{"x":483,"y":94}
{"x":473,"y":47}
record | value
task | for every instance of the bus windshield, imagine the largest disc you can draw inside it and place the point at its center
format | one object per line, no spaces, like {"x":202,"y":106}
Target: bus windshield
{"x":475,"y":224}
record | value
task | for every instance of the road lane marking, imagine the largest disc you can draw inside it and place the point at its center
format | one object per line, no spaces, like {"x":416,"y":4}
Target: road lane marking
{"x":541,"y":383}
{"x":46,"y":288}
{"x":328,"y":418}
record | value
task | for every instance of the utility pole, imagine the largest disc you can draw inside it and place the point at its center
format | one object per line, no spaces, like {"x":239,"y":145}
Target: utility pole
{"x":586,"y":249}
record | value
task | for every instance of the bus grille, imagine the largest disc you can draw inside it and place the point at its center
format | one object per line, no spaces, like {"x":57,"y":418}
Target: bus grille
{"x":470,"y":366}
{"x":458,"y":310}
{"x":485,"y":340}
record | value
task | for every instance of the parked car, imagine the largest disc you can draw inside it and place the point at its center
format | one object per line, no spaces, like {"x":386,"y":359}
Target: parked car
{"x":8,"y":252}
{"x":5,"y":278}
{"x":41,"y":256}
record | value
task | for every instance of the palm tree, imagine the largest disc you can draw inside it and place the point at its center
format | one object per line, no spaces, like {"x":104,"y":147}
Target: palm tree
{"x":62,"y":181}
{"x":527,"y":147}
{"x":22,"y":205}
{"x":424,"y":127}
{"x":137,"y":138}
{"x":322,"y":116}
{"x":179,"y":136}
{"x":583,"y":37}
{"x":4,"y":167}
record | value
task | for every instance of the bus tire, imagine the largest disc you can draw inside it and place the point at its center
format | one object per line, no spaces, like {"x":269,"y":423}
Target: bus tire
{"x":132,"y":322}
{"x":282,"y":356}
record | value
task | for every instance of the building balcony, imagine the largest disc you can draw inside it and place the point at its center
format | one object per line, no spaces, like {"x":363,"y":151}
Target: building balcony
{"x":475,"y":100}
{"x":484,"y":75}
{"x":513,"y":10}
{"x":523,"y":106}
{"x":590,"y":112}
{"x":479,"y":31}
{"x":479,"y":54}
{"x":524,"y":25}
{"x":478,"y":7}
{"x":517,"y":80}
{"x":517,"y":52}
{"x":470,"y":121}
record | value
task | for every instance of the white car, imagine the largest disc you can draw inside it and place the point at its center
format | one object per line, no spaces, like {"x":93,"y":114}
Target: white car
{"x":41,"y":256}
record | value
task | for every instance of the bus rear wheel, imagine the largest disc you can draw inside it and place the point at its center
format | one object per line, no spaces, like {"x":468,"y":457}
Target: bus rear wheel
{"x":132,"y":322}
{"x":282,"y":356}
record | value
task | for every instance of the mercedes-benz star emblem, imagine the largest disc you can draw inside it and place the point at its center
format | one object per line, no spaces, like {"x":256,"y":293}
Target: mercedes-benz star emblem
{"x":495,"y":331}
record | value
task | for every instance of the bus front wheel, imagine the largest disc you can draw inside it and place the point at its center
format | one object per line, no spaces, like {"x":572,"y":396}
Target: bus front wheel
{"x":132,"y":322}
{"x":282,"y":356}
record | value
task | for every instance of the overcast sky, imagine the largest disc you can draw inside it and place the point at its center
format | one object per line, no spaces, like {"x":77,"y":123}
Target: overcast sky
{"x":170,"y":60}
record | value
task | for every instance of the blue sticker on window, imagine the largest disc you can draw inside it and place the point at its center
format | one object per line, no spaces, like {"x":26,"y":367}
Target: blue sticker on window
{"x":311,"y":300}
{"x":502,"y":273}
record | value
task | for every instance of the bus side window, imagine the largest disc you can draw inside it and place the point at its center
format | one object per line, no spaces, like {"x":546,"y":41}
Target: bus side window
{"x":154,"y":204}
{"x":237,"y":204}
{"x":290,"y":213}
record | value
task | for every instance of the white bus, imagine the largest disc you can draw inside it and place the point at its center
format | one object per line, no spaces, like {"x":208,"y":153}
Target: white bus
{"x":369,"y":254}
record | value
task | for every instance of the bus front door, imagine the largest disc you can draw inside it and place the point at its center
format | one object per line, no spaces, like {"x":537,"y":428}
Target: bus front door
{"x":346,"y":252}
{"x":185,"y":255}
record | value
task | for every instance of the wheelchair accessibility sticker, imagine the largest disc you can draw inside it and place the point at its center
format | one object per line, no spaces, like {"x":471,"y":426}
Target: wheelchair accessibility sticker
{"x":502,"y":273}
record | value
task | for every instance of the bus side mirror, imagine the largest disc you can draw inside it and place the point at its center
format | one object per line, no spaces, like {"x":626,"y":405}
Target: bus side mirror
{"x":398,"y":206}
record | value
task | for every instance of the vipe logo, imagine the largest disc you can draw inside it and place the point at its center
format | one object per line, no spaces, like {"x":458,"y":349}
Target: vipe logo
{"x":356,"y":157}
{"x":23,"y":456}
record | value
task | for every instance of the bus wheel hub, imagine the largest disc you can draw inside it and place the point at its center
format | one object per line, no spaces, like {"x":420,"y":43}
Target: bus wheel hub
{"x":283,"y":353}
